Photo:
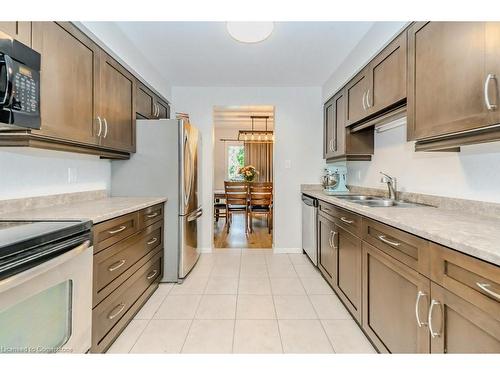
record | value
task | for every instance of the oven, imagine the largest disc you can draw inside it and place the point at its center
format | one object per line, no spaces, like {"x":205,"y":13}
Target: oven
{"x":46,"y":298}
{"x":19,"y":85}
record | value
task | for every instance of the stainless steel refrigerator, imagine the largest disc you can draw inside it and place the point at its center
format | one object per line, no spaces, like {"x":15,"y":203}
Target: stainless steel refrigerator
{"x":166,"y":163}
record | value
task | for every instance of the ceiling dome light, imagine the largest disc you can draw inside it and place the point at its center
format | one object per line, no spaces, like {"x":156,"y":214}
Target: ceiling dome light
{"x":250,"y":32}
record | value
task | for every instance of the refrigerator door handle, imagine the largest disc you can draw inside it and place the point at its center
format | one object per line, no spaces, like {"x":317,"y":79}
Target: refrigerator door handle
{"x":188,"y":163}
{"x":195,"y":215}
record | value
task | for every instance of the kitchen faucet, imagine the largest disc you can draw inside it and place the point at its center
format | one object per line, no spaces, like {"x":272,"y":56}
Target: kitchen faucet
{"x":391,"y":185}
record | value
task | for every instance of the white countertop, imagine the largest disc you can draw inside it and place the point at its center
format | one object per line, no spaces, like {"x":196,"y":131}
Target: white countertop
{"x":471,"y":234}
{"x":95,"y":210}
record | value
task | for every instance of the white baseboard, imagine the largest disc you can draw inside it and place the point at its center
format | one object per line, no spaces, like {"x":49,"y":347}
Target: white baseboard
{"x":205,"y":250}
{"x":287,"y":250}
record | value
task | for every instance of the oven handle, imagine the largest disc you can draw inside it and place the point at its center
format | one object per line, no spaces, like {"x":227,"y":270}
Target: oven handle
{"x":7,"y":61}
{"x":25,"y":276}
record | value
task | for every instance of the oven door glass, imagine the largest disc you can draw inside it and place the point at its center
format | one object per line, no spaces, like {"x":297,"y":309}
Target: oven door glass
{"x":40,"y":323}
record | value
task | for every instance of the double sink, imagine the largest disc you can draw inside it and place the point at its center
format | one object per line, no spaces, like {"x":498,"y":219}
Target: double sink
{"x":374,"y":201}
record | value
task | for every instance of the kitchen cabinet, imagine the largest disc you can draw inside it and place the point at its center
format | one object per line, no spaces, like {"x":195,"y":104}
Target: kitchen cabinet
{"x":116,"y":105}
{"x":452,"y":83}
{"x":327,"y":254}
{"x":144,"y":102}
{"x":69,"y":61}
{"x":19,"y":30}
{"x":356,"y":93}
{"x":393,"y":296}
{"x":163,"y":109}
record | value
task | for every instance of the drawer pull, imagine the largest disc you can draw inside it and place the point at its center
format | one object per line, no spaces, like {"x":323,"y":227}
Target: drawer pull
{"x":152,"y":241}
{"x":384,"y":239}
{"x":346,"y":220}
{"x":429,"y":319}
{"x":116,"y":265}
{"x":152,"y":274}
{"x":116,"y":311}
{"x":484,"y":287}
{"x":326,"y":209}
{"x":420,"y":294}
{"x":121,"y":229}
{"x":150,"y":216}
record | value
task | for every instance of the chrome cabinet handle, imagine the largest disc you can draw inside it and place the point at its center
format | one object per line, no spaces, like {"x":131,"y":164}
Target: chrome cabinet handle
{"x":346,"y":221}
{"x":100,"y":126}
{"x":420,"y":294}
{"x":364,"y":100}
{"x":121,"y":229}
{"x":105,"y":128}
{"x":152,"y":274}
{"x":368,"y":98}
{"x":152,"y":241}
{"x":119,"y":308}
{"x":150,"y":216}
{"x":384,"y":239}
{"x":484,"y":287}
{"x":429,"y":319}
{"x":489,"y":106}
{"x":333,"y":240}
{"x":326,"y":209}
{"x":330,"y":239}
{"x":116,"y":265}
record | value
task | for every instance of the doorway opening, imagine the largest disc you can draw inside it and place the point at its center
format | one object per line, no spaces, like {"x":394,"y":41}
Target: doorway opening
{"x":243,"y":175}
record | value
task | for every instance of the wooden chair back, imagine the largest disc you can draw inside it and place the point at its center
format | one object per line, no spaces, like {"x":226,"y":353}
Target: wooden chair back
{"x":261,"y":194}
{"x":236,"y":193}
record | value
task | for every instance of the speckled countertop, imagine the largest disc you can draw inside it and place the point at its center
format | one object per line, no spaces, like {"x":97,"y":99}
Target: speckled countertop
{"x":471,"y":234}
{"x":95,"y":210}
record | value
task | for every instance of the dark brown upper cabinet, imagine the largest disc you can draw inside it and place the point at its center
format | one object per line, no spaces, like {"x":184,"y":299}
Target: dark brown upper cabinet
{"x":144,"y":102}
{"x":163,"y":109}
{"x":69,"y":85}
{"x":356,"y":93}
{"x":19,"y":30}
{"x":116,"y":105}
{"x":339,"y":142}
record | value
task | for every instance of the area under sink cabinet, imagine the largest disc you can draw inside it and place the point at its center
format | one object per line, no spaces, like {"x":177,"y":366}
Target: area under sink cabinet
{"x":128,"y":266}
{"x":408,"y":294}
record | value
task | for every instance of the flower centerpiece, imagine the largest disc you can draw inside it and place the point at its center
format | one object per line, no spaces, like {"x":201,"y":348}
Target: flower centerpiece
{"x":248,"y":172}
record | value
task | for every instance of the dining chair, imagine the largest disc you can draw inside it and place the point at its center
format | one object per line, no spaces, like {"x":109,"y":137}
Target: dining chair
{"x":261,"y":202}
{"x":236,"y":200}
{"x":219,"y":209}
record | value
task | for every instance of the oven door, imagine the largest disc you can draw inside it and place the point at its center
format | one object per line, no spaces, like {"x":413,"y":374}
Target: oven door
{"x":48,"y":308}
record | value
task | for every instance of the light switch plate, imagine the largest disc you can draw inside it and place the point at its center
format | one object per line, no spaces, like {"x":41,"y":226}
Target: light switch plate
{"x":288,"y":164}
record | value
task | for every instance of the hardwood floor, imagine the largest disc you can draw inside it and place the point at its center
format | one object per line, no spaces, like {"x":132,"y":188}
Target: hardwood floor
{"x":236,"y":238}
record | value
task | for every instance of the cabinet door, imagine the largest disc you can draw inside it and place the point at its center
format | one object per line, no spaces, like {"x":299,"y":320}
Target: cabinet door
{"x":327,"y":261}
{"x":493,"y":67}
{"x":391,"y":304}
{"x":143,"y":102}
{"x":18,"y":30}
{"x":68,"y":82}
{"x":356,"y":91}
{"x":460,"y":327}
{"x":117,"y":105}
{"x":446,"y":76}
{"x":388,"y":76}
{"x":349,"y":270}
{"x":328,"y":129}
{"x":163,"y":110}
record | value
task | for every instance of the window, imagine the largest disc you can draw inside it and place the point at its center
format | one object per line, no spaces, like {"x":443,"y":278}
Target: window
{"x":235,"y":160}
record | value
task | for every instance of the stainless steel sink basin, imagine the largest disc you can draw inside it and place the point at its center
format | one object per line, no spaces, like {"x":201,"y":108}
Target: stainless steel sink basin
{"x":373,"y":201}
{"x":358,"y":197}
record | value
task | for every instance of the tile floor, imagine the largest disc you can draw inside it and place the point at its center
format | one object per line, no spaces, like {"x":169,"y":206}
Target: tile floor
{"x":245,"y":301}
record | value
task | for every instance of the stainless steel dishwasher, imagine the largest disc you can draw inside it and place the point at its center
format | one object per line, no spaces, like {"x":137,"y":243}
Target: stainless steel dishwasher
{"x":309,"y":227}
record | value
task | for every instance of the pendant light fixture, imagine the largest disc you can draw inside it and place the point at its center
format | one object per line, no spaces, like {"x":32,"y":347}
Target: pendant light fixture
{"x":256,"y":136}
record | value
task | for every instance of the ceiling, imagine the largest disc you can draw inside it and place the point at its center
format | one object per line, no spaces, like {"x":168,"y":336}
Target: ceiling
{"x":238,"y":117}
{"x":203,"y":53}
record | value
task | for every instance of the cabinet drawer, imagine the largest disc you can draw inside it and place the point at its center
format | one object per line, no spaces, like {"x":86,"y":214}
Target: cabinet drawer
{"x":150,"y":215}
{"x":112,"y":231}
{"x":472,"y":279}
{"x":115,"y":310}
{"x":346,"y":219}
{"x":405,"y":247}
{"x":115,"y":260}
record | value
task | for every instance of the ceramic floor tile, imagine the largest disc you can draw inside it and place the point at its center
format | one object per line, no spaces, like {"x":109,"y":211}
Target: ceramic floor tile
{"x":287,"y":286}
{"x":299,"y":259}
{"x":329,"y":307}
{"x":249,"y":259}
{"x":128,"y":337}
{"x":303,"y":336}
{"x":202,"y":270}
{"x":210,"y":336}
{"x":294,"y":307}
{"x":254,"y":270}
{"x":178,"y":307}
{"x":191,"y":285}
{"x":254,"y":285}
{"x":316,"y":285}
{"x":347,"y":337}
{"x":165,"y":288}
{"x":257,"y":336}
{"x":216,"y":307}
{"x":281,"y":270}
{"x":255,"y":307}
{"x":162,"y":336}
{"x":222,"y":270}
{"x":152,"y":305}
{"x":278,"y":259}
{"x":222,"y":285}
{"x":306,"y":270}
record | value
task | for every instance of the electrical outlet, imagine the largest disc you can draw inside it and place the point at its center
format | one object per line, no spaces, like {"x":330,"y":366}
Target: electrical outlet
{"x":72,"y":176}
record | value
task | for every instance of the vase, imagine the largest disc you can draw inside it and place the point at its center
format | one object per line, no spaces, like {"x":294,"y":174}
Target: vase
{"x":249,"y":178}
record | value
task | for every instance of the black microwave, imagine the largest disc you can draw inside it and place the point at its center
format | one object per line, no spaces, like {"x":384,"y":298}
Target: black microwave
{"x":19,"y":85}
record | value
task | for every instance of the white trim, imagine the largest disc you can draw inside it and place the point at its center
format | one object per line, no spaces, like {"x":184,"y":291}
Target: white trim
{"x":206,"y":250}
{"x":287,"y":250}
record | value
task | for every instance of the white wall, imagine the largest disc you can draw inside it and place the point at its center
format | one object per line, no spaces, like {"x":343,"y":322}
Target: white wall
{"x":30,"y":172}
{"x":298,"y":133}
{"x":474,"y":173}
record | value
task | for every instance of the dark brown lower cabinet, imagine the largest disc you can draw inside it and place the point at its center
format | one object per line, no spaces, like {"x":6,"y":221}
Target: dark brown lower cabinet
{"x":458,"y":326}
{"x":394,"y":298}
{"x":327,"y":260}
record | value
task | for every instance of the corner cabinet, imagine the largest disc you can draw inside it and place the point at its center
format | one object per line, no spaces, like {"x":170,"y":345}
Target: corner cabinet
{"x":150,"y":106}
